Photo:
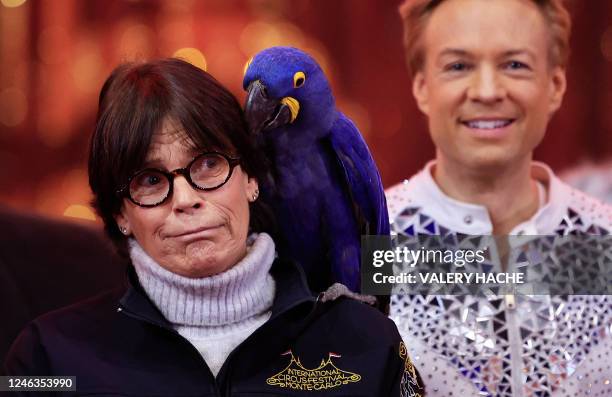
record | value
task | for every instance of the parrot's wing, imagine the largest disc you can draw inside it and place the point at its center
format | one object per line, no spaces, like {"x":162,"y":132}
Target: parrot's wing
{"x":362,"y":178}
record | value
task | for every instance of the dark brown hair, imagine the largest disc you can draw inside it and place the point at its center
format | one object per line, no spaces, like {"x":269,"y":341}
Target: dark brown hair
{"x":416,"y":13}
{"x":134,"y":101}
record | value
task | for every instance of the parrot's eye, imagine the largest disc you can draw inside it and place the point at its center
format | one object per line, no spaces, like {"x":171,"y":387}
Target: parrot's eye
{"x":298,"y":79}
{"x":246,"y":66}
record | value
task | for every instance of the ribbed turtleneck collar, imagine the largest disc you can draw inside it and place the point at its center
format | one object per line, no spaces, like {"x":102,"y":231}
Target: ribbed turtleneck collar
{"x":245,"y":290}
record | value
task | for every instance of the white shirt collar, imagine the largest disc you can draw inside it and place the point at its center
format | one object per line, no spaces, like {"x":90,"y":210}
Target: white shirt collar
{"x":474,"y":219}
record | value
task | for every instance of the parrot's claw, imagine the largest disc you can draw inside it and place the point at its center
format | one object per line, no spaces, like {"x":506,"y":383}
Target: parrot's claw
{"x":337,"y":290}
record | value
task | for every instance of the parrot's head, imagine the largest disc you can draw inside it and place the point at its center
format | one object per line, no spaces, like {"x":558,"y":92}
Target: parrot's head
{"x":286,"y":87}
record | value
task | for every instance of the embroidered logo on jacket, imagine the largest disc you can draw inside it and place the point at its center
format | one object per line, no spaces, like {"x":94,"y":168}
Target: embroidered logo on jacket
{"x":325,"y":376}
{"x":409,"y":386}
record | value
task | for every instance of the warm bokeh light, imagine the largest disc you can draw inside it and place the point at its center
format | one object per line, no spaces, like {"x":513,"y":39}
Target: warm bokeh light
{"x":80,"y":212}
{"x":13,"y":107}
{"x":55,"y":56}
{"x":259,"y":35}
{"x":12,"y":3}
{"x":66,"y":193}
{"x":191,"y":55}
{"x":87,"y":66}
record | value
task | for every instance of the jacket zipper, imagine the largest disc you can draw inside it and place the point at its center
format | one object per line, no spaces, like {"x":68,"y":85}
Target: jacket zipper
{"x":514,"y":339}
{"x":129,"y":313}
{"x":512,"y":324}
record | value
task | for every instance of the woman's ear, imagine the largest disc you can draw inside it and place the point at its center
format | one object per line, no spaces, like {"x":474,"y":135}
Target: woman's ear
{"x":252,"y":189}
{"x":123,"y":223}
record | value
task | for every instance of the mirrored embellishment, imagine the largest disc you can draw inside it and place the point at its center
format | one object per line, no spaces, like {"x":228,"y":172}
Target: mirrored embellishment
{"x":471,"y":332}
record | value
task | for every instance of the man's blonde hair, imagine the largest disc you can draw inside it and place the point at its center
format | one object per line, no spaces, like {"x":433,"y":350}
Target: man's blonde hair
{"x":416,"y":13}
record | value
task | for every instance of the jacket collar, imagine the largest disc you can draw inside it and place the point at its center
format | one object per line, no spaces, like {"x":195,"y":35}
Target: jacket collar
{"x":291,"y":291}
{"x":291,"y":286}
{"x":474,"y":219}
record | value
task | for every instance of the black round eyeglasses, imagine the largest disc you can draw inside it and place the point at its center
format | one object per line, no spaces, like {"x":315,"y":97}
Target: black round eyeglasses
{"x":151,"y":187}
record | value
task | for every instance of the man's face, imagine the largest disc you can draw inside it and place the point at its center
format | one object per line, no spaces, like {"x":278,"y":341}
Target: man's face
{"x":487,"y":85}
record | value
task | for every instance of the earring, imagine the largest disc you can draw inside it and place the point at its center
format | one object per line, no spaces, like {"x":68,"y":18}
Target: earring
{"x":255,"y":194}
{"x":123,"y":230}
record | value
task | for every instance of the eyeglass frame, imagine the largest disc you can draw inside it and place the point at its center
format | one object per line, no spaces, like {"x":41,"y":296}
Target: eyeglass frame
{"x":124,"y":191}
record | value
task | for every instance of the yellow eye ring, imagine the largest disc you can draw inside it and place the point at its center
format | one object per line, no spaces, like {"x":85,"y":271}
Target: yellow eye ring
{"x":299,"y":78}
{"x":246,"y":66}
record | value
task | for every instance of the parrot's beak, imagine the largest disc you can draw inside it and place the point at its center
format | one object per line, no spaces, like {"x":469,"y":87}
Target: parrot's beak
{"x":265,"y":113}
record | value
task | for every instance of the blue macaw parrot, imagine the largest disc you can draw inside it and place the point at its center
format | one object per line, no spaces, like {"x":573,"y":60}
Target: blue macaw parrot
{"x":323,"y":184}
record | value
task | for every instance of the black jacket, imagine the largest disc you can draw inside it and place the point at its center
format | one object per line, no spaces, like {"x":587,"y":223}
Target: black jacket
{"x":46,"y":264}
{"x":118,"y":345}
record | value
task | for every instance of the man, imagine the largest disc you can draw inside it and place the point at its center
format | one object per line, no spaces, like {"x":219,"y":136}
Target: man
{"x":489,"y":75}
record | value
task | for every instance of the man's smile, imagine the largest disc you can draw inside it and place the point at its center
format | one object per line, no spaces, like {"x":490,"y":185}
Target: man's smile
{"x":488,"y":124}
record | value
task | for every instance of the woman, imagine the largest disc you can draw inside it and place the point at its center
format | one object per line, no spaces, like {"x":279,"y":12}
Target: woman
{"x":208,"y":308}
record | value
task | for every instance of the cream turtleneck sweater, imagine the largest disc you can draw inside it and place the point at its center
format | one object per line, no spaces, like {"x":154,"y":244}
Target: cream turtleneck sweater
{"x":214,"y":313}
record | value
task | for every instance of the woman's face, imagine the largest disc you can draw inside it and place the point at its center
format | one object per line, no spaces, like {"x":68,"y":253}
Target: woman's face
{"x":193,"y":233}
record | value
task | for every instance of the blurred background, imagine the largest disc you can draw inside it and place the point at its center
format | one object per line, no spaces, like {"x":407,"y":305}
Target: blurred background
{"x":55,"y":55}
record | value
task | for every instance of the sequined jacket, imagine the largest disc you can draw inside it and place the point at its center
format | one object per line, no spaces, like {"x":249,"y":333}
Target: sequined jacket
{"x":544,"y":345}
